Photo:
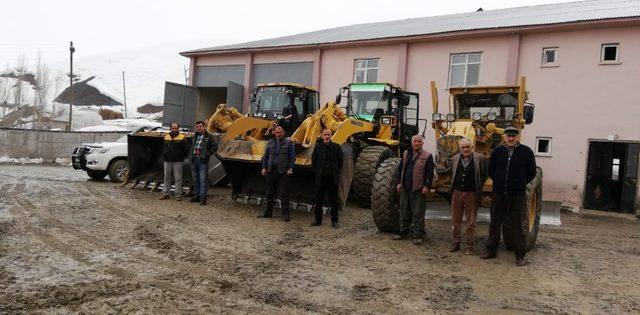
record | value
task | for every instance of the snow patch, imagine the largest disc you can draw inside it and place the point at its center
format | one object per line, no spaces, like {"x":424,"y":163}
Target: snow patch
{"x":66,"y":161}
{"x":102,"y":128}
{"x":6,"y":159}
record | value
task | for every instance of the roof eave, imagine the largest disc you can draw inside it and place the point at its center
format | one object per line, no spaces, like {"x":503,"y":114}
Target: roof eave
{"x":564,"y":26}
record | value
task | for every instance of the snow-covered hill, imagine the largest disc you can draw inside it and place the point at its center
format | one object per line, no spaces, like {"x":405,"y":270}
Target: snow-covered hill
{"x":145,"y":70}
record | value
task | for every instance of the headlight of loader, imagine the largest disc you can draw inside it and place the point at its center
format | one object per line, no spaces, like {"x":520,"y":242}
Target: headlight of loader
{"x":491,"y":116}
{"x":476,"y":116}
{"x":436,"y":117}
{"x":451,"y":117}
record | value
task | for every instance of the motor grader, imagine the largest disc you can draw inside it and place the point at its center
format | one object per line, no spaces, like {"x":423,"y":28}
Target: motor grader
{"x":268,"y":102}
{"x":479,"y":114}
{"x":377,"y":123}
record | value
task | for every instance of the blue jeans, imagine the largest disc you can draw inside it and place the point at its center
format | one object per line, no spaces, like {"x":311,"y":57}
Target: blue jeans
{"x":199,"y":173}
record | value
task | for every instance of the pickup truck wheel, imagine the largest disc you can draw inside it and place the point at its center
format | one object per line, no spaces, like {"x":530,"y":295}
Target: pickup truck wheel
{"x":96,"y":175}
{"x":118,"y":170}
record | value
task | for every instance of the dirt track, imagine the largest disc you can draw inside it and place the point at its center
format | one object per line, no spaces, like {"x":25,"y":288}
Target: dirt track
{"x":68,"y":244}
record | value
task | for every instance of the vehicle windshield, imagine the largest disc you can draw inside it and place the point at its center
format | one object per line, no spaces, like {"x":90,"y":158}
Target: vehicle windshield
{"x":365,"y":100}
{"x":271,"y":99}
{"x":502,"y":105}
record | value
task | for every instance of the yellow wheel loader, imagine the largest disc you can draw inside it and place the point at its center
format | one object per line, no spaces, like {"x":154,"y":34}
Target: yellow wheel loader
{"x":479,"y":114}
{"x":268,"y":104}
{"x":377,"y":123}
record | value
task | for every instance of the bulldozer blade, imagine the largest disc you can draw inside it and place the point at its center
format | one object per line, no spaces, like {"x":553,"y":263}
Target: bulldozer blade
{"x":154,"y":187}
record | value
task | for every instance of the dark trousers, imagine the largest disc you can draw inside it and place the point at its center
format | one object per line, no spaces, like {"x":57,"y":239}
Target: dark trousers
{"x":327,"y":186}
{"x":412,"y":207}
{"x":277,"y":186}
{"x":508,"y":209}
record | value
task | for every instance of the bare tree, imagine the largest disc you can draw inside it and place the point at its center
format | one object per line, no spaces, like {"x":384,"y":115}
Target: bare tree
{"x":5,"y":93}
{"x":41,"y":88}
{"x":18,"y":88}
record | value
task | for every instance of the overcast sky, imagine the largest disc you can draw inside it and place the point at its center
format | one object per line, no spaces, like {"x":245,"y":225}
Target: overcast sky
{"x":103,"y":26}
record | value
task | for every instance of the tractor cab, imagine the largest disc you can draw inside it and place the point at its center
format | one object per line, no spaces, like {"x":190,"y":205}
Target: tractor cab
{"x":288,"y":103}
{"x":379,"y":103}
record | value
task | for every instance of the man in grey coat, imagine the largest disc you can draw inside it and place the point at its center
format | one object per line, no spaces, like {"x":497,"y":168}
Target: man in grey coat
{"x":469,"y":174}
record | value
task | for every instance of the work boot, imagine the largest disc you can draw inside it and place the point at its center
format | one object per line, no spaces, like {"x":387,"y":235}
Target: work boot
{"x":398,"y":237}
{"x":334,"y":225}
{"x":488,"y":255}
{"x":315,"y":223}
{"x":521,"y":262}
{"x":179,"y":198}
{"x":203,"y":201}
{"x":164,"y":197}
{"x":454,"y":247}
{"x":194,"y":199}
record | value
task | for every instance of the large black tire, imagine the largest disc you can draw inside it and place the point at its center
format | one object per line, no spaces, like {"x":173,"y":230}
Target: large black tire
{"x":96,"y":175}
{"x":118,"y":170}
{"x":384,"y":197}
{"x":366,"y":165}
{"x":533,"y":213}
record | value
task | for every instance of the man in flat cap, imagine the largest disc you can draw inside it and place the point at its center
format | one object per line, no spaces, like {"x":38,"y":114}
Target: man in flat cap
{"x":511,"y":167}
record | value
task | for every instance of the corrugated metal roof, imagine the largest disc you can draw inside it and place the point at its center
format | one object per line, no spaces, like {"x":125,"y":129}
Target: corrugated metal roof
{"x":522,"y":16}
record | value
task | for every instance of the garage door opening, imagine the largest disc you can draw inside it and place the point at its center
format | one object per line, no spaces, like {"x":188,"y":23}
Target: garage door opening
{"x":186,"y":104}
{"x":612,"y":176}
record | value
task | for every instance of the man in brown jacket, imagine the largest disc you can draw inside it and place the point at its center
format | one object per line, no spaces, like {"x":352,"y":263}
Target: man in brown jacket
{"x":414,"y":179}
{"x":468,"y":177}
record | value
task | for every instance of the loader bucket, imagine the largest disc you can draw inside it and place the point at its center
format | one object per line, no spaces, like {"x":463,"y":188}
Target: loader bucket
{"x":242,"y":164}
{"x":144,"y":150}
{"x":146,"y":165}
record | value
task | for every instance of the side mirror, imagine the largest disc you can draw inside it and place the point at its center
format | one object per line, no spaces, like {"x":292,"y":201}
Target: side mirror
{"x":338,"y":98}
{"x":528,"y":113}
{"x":405,"y":100}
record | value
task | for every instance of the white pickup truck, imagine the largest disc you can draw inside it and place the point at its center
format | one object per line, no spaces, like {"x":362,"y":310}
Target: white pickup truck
{"x":102,"y":159}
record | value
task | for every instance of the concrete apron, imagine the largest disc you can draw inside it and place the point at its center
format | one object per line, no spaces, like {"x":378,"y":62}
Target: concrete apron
{"x":441,"y":210}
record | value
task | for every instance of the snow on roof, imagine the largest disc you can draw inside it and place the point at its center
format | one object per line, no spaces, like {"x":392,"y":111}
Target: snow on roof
{"x":102,"y":128}
{"x":580,"y":11}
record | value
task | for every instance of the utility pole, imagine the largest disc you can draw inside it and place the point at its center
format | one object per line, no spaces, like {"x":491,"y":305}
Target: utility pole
{"x":124,"y":90}
{"x":71,"y":51}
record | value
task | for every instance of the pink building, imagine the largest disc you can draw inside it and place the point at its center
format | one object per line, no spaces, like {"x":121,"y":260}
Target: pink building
{"x":581,"y":60}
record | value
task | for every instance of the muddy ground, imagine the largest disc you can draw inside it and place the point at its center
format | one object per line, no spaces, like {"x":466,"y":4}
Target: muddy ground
{"x":68,"y":244}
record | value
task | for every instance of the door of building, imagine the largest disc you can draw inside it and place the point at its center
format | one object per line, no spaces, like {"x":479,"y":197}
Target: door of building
{"x":612,"y":172}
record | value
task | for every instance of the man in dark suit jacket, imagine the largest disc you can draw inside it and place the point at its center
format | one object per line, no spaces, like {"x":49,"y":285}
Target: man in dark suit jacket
{"x":468,"y":177}
{"x":326,"y":162}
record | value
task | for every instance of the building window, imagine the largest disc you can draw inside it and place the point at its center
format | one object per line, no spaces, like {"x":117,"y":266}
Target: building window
{"x":543,"y":146}
{"x":366,"y":70}
{"x":550,"y":56}
{"x":610,"y":53}
{"x":464,"y":70}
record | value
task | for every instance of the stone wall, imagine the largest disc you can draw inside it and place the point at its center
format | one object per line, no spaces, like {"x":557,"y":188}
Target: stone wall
{"x":48,"y":145}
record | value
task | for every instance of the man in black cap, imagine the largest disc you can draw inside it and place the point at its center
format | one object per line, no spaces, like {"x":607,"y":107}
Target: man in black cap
{"x":511,"y":167}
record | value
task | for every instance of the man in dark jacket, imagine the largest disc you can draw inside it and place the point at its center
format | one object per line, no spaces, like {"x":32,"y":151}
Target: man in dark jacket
{"x":202,"y":148}
{"x":468,"y":177}
{"x":326,"y":162}
{"x":414,"y":179}
{"x":511,"y":167}
{"x":277,"y":166}
{"x":174,"y":151}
